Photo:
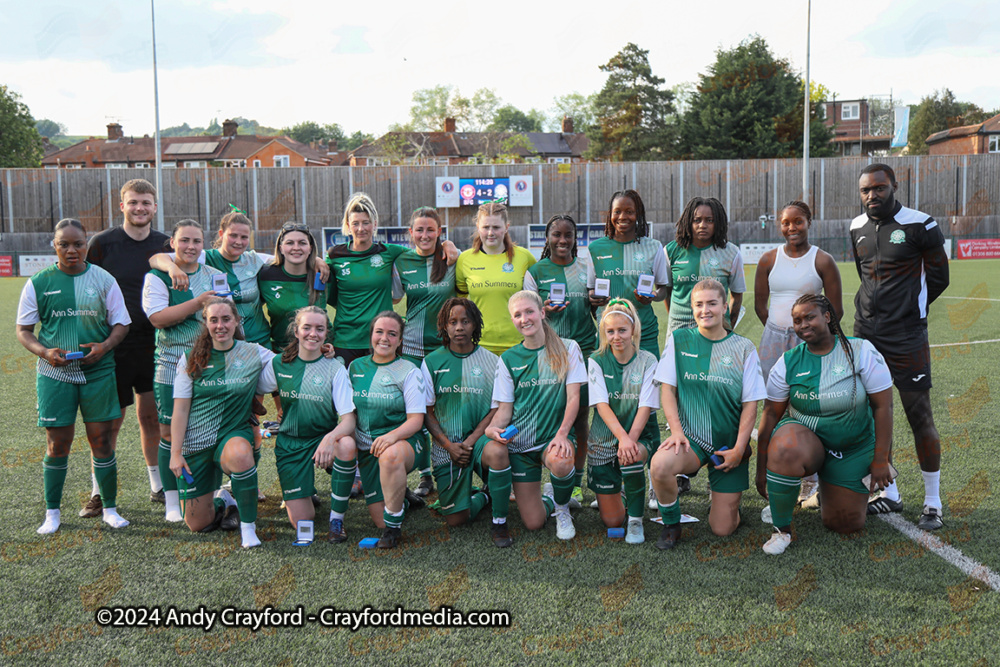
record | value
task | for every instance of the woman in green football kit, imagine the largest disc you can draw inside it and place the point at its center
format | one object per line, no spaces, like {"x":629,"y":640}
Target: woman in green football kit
{"x":710,"y":384}
{"x":361,"y":276}
{"x":622,"y":256}
{"x":537,"y":390}
{"x":625,"y":432}
{"x":176,"y":314}
{"x":315,"y":391}
{"x":210,"y":427}
{"x":390,"y":402}
{"x":81,"y":309}
{"x":458,"y":379}
{"x":423,"y":276}
{"x":491,"y":272}
{"x":286,"y":282}
{"x":571,"y":318}
{"x":838,"y":395}
{"x":702,"y":250}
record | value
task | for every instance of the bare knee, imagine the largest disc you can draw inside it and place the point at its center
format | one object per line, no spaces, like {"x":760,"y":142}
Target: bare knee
{"x":844,"y":525}
{"x":456,"y":519}
{"x":345,"y":449}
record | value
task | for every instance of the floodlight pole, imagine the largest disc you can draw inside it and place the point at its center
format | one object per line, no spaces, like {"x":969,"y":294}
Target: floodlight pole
{"x":156,"y":104}
{"x":806,"y":111}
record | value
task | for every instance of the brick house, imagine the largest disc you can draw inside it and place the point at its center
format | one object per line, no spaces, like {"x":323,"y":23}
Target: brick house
{"x":450,"y":146}
{"x":227,"y":150}
{"x":851,"y":123}
{"x":968,"y":139}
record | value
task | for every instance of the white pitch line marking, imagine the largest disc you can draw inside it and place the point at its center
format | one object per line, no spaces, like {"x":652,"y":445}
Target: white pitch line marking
{"x":943,"y":550}
{"x":971,"y":342}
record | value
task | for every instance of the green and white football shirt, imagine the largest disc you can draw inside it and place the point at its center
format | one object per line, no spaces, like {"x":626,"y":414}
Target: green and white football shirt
{"x":221,"y":398}
{"x":827,"y":396}
{"x":625,"y":388}
{"x":575,"y":321}
{"x":383,"y":395}
{"x":689,"y":265}
{"x":360,"y":288}
{"x":525,"y":378}
{"x":412,"y":278}
{"x":73,"y":309}
{"x":313,"y":394}
{"x":622,"y":264}
{"x":714,"y":378}
{"x":171,"y":342}
{"x":460,"y":387}
{"x":242,"y":276}
{"x":283,"y":294}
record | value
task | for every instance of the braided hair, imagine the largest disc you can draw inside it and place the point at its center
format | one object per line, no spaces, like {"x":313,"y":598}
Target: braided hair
{"x":471,"y":311}
{"x":641,"y":226}
{"x":547,"y":251}
{"x":825,"y":306}
{"x":685,"y":225}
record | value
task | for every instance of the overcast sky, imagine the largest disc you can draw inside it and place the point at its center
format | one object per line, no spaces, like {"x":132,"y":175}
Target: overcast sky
{"x":85,"y":63}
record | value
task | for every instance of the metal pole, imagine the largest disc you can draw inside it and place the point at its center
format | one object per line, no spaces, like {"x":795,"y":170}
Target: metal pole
{"x":156,"y":104}
{"x":805,"y":110}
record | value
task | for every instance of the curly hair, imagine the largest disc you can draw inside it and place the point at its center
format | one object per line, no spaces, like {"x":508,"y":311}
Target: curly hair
{"x":641,"y":226}
{"x":471,"y":311}
{"x":685,"y":225}
{"x":547,"y":251}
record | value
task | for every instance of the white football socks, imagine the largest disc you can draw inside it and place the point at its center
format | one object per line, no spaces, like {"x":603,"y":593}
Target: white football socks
{"x":932,"y":489}
{"x":113,"y":519}
{"x":173,"y":501}
{"x":51,"y":523}
{"x":154,"y":478}
{"x":248,"y":531}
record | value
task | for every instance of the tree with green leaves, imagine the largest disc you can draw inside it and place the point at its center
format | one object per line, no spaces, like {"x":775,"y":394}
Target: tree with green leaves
{"x":937,"y":112}
{"x":749,"y":105}
{"x":634,"y":114}
{"x":509,"y":118}
{"x":50,"y":129}
{"x":573,"y":105}
{"x":20,"y":143}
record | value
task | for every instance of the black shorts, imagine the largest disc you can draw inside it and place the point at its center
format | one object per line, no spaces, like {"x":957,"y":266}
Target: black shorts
{"x":134,"y":372}
{"x":908,"y":356}
{"x":347,"y":354}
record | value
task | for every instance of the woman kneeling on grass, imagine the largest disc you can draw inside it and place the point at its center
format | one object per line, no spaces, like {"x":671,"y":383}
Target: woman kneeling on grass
{"x":459,"y":380}
{"x":390,"y":401}
{"x":624,"y":394}
{"x":210,"y":427}
{"x":537,"y":390}
{"x":81,"y":310}
{"x":838,"y":394}
{"x":313,"y":391}
{"x":711,"y":383}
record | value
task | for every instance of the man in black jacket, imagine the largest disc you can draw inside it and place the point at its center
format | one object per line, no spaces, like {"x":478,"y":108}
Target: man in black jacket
{"x":900,"y":257}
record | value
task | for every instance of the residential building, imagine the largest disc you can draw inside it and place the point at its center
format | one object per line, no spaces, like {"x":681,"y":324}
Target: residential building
{"x":967,"y":140}
{"x":855,"y":132}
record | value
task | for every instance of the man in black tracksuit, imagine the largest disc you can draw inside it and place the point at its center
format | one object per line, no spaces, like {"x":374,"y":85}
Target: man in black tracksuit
{"x":900,"y":257}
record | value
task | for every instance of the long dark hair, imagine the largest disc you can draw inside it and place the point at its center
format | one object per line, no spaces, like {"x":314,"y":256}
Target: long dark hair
{"x":471,"y":311}
{"x":440,"y":267}
{"x":641,"y":226}
{"x":685,"y":232}
{"x":201,"y":350}
{"x":547,"y":251}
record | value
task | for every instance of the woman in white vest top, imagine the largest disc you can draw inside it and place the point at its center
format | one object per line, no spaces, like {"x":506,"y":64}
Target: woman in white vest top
{"x":783,"y":275}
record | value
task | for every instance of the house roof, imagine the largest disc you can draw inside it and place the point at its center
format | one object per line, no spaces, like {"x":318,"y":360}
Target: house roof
{"x":989,"y":126}
{"x":130,"y":149}
{"x":469,"y":144}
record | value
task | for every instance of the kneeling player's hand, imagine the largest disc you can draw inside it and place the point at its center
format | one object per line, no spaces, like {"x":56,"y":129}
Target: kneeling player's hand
{"x":562,"y":447}
{"x":628,"y":451}
{"x":881,"y":477}
{"x":380,"y":444}
{"x":324,"y":452}
{"x":460,"y":453}
{"x":493,"y":433}
{"x":327,"y":350}
{"x":178,"y":465}
{"x":677,"y":442}
{"x":730,"y":459}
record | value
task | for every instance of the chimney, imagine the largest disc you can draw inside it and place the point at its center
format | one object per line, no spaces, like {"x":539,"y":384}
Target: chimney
{"x":115,"y":132}
{"x":449,"y":125}
{"x":567,"y":125}
{"x":331,"y":147}
{"x":229,"y":128}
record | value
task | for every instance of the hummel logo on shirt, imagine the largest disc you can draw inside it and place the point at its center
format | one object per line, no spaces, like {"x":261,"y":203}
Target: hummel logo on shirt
{"x":58,"y":291}
{"x":406,"y":273}
{"x":355,"y":375}
{"x":604,"y":257}
{"x":798,"y":375}
{"x":519,"y":368}
{"x":441,"y":370}
{"x":688,"y":354}
{"x":282,"y":375}
{"x":610,"y":377}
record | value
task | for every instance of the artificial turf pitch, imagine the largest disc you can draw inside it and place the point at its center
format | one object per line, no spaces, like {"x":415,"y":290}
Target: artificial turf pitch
{"x":876,"y":597}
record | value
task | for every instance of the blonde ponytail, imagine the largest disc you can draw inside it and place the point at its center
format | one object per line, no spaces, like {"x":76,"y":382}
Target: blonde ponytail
{"x":554,"y":347}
